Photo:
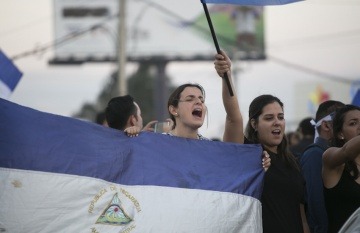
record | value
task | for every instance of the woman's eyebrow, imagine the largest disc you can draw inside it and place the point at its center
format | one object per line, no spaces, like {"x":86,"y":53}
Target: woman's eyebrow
{"x":354,"y":119}
{"x":190,"y":96}
{"x":193,"y":96}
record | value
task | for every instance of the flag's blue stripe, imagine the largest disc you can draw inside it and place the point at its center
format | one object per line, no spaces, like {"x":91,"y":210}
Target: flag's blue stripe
{"x":251,"y":2}
{"x":34,"y":140}
{"x":9,"y":73}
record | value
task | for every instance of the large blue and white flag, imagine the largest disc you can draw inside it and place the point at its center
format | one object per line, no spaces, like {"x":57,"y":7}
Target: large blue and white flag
{"x":9,"y":76}
{"x":251,"y":2}
{"x":59,"y":174}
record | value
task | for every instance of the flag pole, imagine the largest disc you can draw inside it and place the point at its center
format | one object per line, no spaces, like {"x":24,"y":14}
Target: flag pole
{"x":216,"y":45}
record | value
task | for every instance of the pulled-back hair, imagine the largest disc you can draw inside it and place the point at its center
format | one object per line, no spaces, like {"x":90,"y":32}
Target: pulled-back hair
{"x":175,"y":97}
{"x":255,"y":110}
{"x":118,"y":111}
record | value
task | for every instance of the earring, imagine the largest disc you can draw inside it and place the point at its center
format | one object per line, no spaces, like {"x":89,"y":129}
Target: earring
{"x":176,"y":114}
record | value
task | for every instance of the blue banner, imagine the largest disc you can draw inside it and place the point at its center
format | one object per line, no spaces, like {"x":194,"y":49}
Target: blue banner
{"x":54,"y":166}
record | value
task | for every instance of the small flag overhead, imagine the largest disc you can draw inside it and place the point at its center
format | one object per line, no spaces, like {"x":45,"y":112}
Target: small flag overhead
{"x":356,"y":99}
{"x":9,"y":76}
{"x":251,"y":2}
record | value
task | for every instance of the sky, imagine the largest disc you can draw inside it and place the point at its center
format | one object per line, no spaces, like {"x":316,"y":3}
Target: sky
{"x":309,"y":45}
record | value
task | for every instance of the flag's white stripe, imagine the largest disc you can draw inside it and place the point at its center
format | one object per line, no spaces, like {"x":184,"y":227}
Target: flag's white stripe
{"x":48,"y":202}
{"x":4,"y":90}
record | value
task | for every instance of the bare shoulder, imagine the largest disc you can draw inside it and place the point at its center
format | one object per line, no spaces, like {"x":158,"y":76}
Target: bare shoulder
{"x":333,"y":158}
{"x":329,"y":153}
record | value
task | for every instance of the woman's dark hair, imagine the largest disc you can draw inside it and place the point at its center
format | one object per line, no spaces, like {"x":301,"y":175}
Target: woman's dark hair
{"x":118,"y":111}
{"x":175,"y":97}
{"x":255,"y":109}
{"x":338,"y":123}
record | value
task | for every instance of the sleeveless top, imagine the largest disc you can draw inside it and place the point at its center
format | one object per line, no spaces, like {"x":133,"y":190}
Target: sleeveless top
{"x":341,"y":201}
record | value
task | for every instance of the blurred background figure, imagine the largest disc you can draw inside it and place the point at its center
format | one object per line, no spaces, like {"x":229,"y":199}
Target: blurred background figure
{"x":245,"y":20}
{"x":307,"y":132}
{"x":101,"y":119}
{"x":293,"y":138}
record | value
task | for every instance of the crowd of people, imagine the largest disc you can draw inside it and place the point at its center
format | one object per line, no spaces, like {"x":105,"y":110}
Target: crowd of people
{"x":312,"y":181}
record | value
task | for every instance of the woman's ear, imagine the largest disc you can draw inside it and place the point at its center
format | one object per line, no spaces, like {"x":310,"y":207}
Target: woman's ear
{"x":172,"y":110}
{"x":341,"y":136}
{"x":253,"y":124}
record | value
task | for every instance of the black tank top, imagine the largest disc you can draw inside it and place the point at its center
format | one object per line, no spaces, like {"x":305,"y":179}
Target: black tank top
{"x":341,"y":201}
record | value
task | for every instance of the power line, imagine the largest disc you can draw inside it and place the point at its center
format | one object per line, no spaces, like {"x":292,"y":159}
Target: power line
{"x":311,"y":71}
{"x":9,"y":32}
{"x":316,"y":39}
{"x":55,"y":43}
{"x":63,"y":40}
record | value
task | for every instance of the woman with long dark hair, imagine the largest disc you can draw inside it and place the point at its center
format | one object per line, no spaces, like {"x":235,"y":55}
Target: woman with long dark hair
{"x":283,"y":192}
{"x":341,"y":168}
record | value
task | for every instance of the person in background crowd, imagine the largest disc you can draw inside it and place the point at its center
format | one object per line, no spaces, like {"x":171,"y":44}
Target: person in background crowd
{"x":341,"y":168}
{"x":311,"y":166}
{"x":101,"y":119}
{"x":307,"y":132}
{"x":282,"y":198}
{"x":293,"y":138}
{"x":123,"y":113}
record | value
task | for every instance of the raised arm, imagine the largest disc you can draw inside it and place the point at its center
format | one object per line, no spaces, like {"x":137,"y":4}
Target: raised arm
{"x":334,"y":159}
{"x":234,"y":129}
{"x":334,"y":156}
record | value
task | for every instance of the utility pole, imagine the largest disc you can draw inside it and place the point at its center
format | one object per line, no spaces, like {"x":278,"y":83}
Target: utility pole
{"x":160,"y":90}
{"x":121,"y":53}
